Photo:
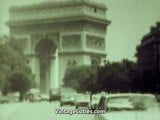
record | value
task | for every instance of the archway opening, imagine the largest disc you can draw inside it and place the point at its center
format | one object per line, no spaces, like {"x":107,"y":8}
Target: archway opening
{"x":45,"y":51}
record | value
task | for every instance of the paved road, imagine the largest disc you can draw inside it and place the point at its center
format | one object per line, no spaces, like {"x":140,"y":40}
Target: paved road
{"x":37,"y":111}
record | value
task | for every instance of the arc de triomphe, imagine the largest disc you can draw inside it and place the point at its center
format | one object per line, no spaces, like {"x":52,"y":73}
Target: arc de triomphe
{"x":57,"y":33}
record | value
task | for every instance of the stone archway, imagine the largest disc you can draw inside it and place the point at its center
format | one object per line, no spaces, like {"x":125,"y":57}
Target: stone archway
{"x":45,"y":50}
{"x":69,"y":38}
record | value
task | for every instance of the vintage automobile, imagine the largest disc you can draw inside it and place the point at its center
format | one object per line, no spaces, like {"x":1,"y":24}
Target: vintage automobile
{"x":33,"y":95}
{"x":10,"y":97}
{"x":15,"y":97}
{"x":67,"y":100}
{"x":4,"y":99}
{"x":82,"y":100}
{"x":44,"y":97}
{"x":55,"y":94}
{"x":128,"y":107}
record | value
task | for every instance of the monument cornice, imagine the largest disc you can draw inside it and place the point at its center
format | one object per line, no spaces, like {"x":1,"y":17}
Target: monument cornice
{"x":81,"y":52}
{"x":57,"y":4}
{"x":60,"y":20}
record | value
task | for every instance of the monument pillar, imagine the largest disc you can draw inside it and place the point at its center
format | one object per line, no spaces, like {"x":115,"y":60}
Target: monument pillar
{"x":35,"y":69}
{"x":54,"y":71}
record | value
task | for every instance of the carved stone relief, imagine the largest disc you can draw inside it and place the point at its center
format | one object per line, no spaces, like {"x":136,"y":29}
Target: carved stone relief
{"x":95,"y":42}
{"x":71,"y":41}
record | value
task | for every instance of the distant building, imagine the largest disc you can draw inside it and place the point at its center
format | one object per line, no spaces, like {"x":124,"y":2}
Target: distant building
{"x":57,"y":34}
{"x":148,"y":52}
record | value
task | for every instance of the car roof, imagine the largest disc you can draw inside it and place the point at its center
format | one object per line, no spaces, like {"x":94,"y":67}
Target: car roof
{"x":129,"y":94}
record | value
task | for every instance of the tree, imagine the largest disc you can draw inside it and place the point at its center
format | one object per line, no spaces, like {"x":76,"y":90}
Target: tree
{"x":12,"y":60}
{"x":116,"y":76}
{"x":19,"y":82}
{"x":113,"y":77}
{"x":81,"y":78}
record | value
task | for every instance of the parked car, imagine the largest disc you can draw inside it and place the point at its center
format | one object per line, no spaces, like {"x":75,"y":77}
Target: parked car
{"x":67,"y":100}
{"x":55,"y":95}
{"x":82,"y":100}
{"x":128,"y":107}
{"x":4,"y":99}
{"x":44,"y":97}
{"x":34,"y":95}
{"x":14,"y":97}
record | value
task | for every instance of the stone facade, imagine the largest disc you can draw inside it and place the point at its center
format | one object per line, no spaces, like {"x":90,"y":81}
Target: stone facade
{"x":55,"y":34}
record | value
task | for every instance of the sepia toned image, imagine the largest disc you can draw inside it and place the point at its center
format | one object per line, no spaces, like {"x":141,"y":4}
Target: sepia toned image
{"x":79,"y":60}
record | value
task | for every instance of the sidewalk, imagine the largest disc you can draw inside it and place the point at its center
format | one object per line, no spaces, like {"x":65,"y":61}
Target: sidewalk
{"x":7,"y":109}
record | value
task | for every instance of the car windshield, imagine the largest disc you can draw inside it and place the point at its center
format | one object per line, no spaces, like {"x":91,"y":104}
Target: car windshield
{"x":82,"y":97}
{"x":67,"y":97}
{"x":130,"y":102}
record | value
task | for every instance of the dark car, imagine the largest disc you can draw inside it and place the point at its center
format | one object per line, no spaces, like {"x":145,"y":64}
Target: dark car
{"x":55,"y":95}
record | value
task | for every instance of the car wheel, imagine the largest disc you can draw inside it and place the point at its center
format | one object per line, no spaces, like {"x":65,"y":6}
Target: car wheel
{"x":76,"y":106}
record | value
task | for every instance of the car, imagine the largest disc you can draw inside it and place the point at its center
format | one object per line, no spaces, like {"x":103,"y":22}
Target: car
{"x":14,"y":97}
{"x":33,"y":95}
{"x":55,"y":94}
{"x":45,"y":97}
{"x":131,"y":106}
{"x":67,"y":100}
{"x":4,"y":99}
{"x":10,"y":97}
{"x":82,"y":100}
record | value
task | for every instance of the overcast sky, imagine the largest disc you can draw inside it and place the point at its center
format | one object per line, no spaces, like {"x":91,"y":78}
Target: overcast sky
{"x":131,"y":19}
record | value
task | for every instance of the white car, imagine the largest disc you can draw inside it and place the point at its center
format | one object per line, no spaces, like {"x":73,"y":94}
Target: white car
{"x":128,"y":107}
{"x":34,"y":95}
{"x":82,"y":100}
{"x":44,"y":97}
{"x":67,"y":100}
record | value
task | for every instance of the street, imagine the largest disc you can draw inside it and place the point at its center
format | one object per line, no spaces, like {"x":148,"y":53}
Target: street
{"x":37,"y":111}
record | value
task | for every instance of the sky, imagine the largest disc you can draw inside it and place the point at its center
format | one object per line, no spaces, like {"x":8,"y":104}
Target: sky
{"x":130,"y":21}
